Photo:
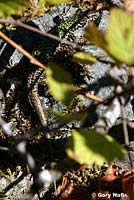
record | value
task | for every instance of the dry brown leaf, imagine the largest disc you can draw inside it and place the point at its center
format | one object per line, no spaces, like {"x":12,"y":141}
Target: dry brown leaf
{"x":75,"y":193}
{"x":61,"y":187}
{"x":128,"y":184}
{"x":109,"y":183}
{"x":109,"y":176}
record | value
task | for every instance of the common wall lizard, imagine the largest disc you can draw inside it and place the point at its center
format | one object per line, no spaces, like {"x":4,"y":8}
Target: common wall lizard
{"x":51,"y":50}
{"x":29,"y":76}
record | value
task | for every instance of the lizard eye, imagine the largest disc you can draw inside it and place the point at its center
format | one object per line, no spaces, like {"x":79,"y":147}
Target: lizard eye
{"x":57,"y":19}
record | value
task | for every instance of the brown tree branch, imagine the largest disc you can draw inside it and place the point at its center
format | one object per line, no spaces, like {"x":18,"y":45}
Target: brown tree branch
{"x":23,"y":51}
{"x":36,"y":30}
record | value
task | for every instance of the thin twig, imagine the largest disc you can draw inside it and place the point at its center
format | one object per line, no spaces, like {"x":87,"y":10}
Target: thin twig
{"x":23,"y":51}
{"x":82,"y":91}
{"x":36,"y":30}
{"x":94,"y":97}
{"x":125,"y":128}
{"x":124,"y":122}
{"x":126,"y":136}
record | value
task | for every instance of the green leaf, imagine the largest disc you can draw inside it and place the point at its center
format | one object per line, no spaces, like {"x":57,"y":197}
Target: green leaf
{"x":89,"y":146}
{"x":66,"y":118}
{"x":9,"y":7}
{"x":120,"y":36}
{"x":60,"y":83}
{"x":83,"y":57}
{"x":95,"y":36}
